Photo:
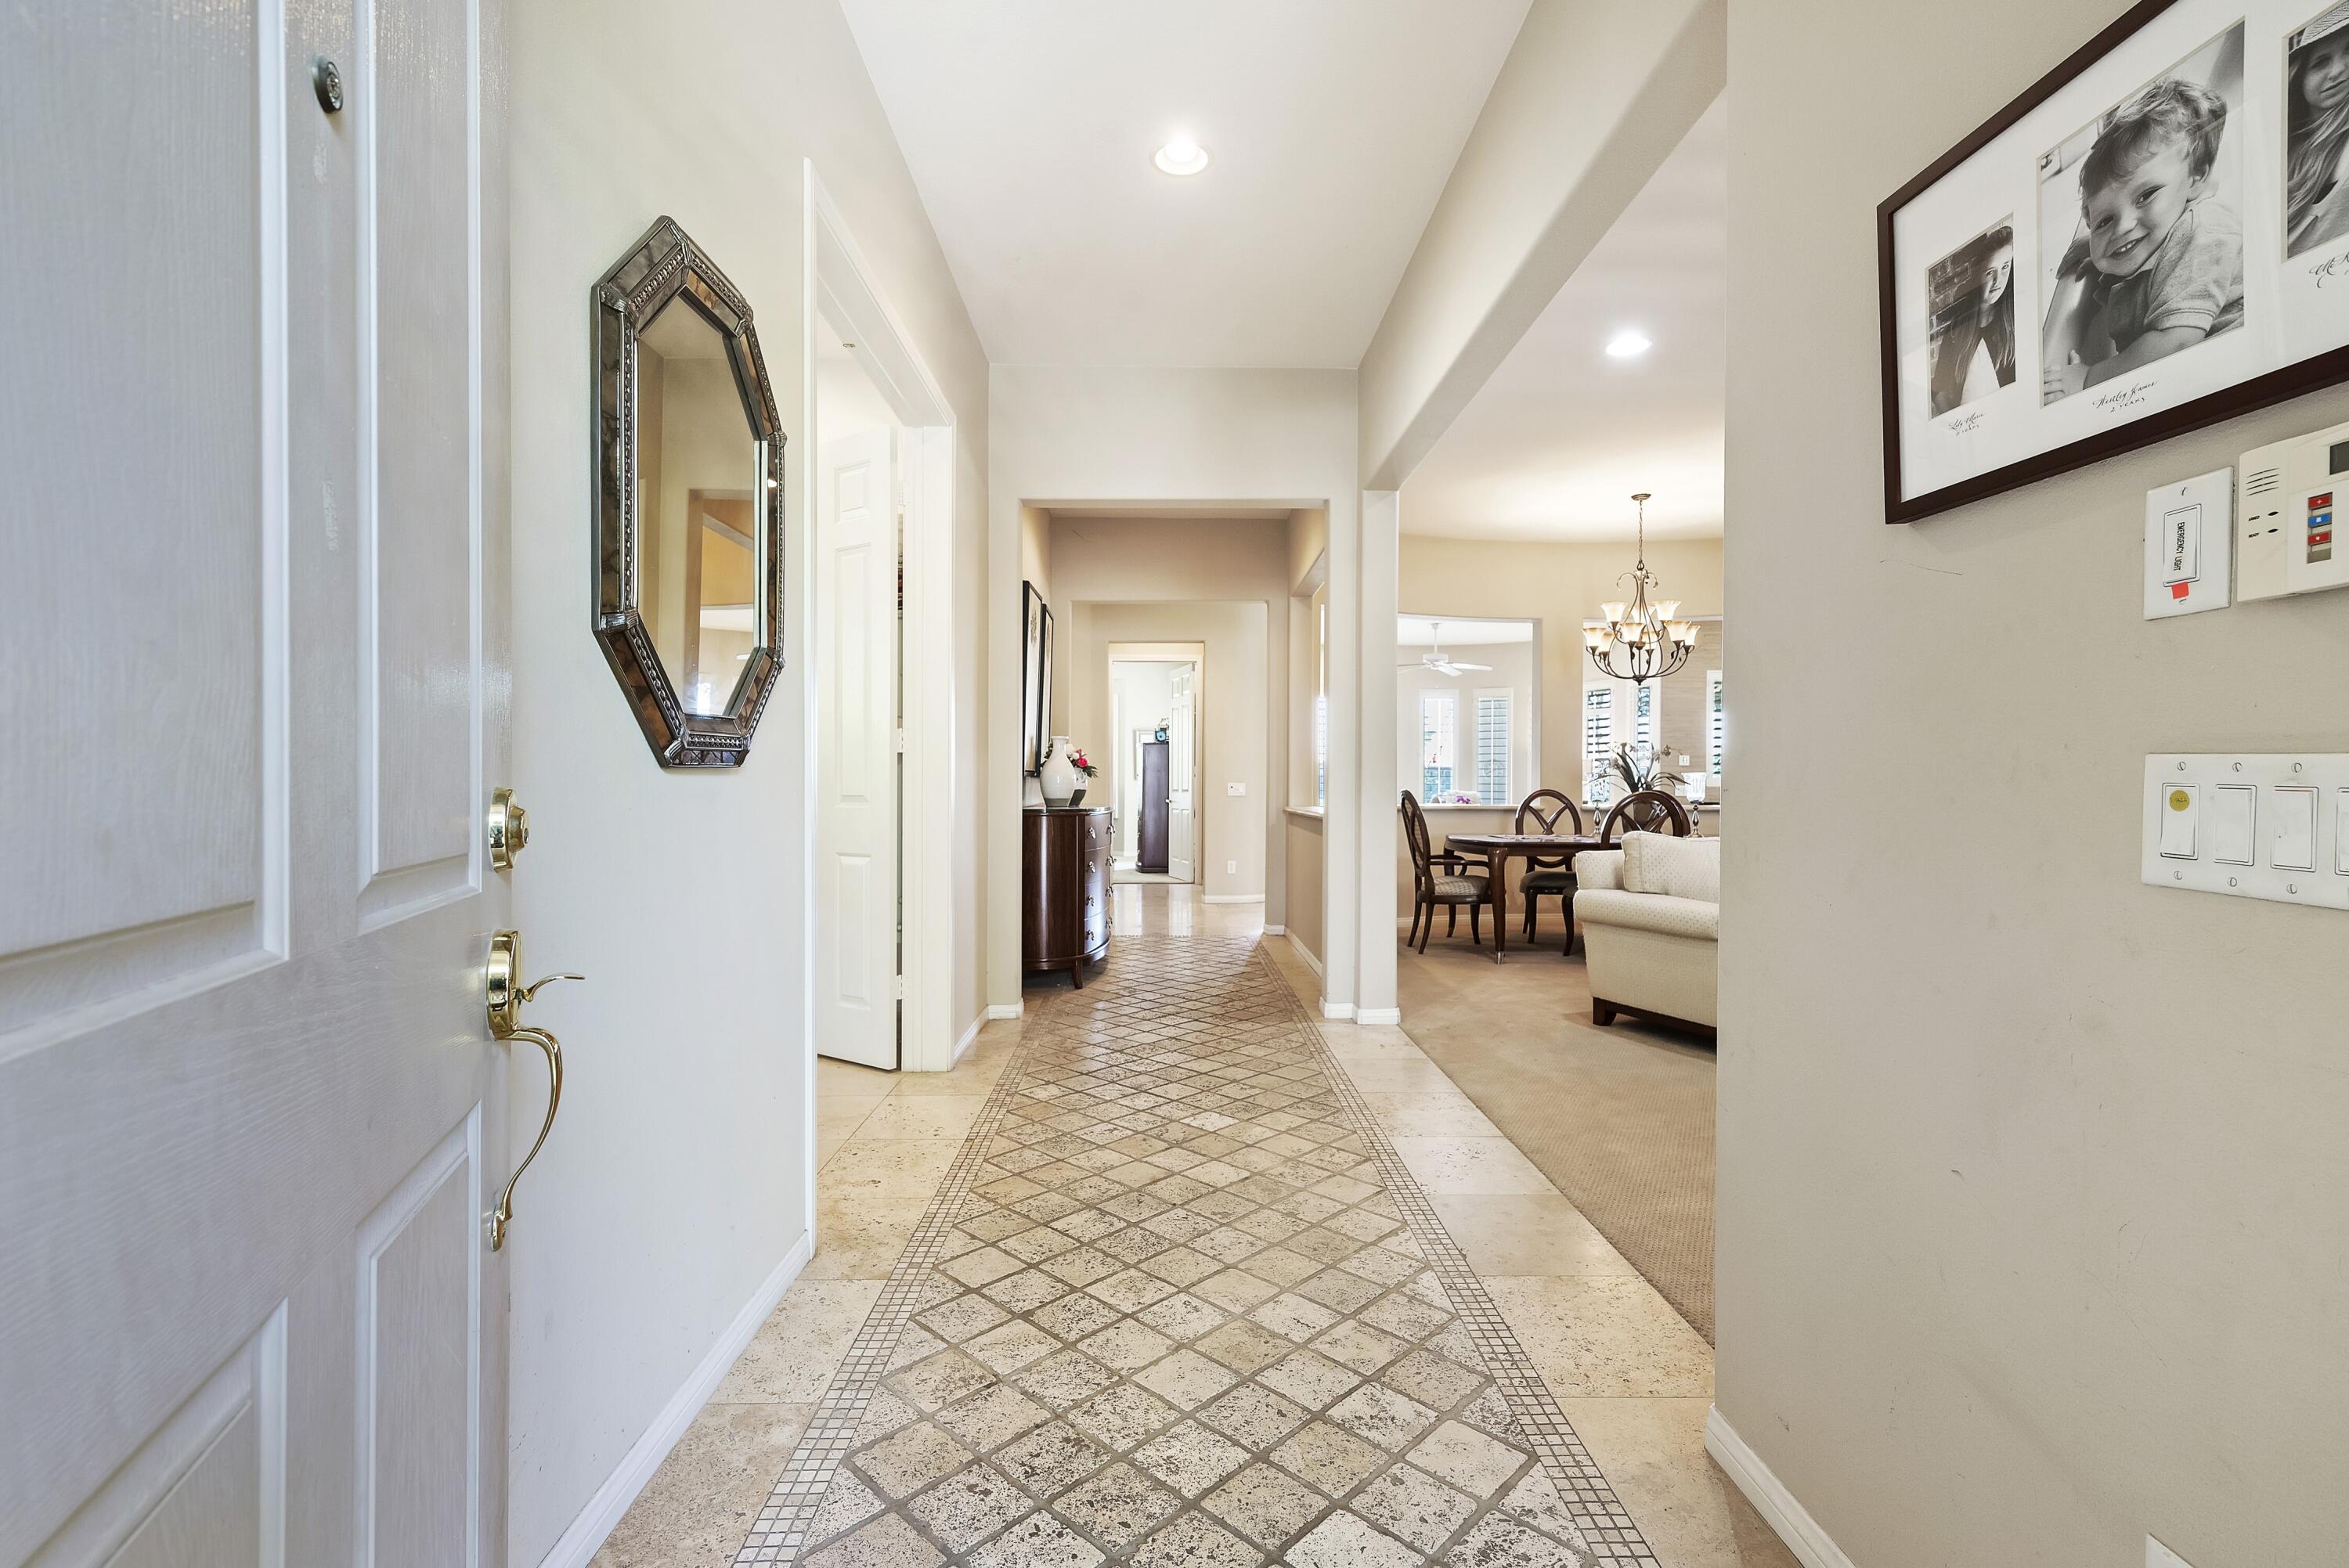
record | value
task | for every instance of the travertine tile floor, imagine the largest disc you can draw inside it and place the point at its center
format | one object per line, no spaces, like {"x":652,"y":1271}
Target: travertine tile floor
{"x":1631,"y":1378}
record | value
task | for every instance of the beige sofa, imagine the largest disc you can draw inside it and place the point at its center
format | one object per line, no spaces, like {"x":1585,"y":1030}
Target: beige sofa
{"x":1650,"y":917}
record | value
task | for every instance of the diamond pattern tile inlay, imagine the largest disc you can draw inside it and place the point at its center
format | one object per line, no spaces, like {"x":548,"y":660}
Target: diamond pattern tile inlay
{"x":1177,"y":1301}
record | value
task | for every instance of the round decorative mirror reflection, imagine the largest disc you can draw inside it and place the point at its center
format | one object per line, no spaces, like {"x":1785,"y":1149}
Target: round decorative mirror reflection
{"x":689,"y":503}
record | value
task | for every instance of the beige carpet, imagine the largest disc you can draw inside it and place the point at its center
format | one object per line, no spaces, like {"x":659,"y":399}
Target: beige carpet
{"x":1621,"y":1118}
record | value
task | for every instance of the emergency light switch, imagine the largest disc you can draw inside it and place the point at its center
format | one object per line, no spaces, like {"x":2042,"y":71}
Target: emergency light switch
{"x":2179,"y":809}
{"x":2295,"y":831}
{"x":2232,"y":813}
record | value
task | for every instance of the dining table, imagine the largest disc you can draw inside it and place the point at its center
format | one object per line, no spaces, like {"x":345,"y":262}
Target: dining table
{"x":1499,"y":848}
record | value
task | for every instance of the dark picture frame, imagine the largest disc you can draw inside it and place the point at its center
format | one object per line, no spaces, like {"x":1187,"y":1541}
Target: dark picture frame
{"x":2324,"y":367}
{"x":1035,"y":676}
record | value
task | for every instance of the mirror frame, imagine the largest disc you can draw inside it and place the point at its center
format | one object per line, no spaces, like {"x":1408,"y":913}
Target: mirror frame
{"x":658,"y":268}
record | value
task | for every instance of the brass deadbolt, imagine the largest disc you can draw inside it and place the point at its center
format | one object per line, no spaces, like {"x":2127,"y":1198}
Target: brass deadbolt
{"x":508,"y":829}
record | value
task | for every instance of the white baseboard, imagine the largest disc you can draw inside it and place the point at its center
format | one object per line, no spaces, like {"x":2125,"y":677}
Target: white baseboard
{"x":969,"y":1038}
{"x":602,"y":1514}
{"x":1231,"y":898}
{"x":1337,"y":1010}
{"x":1006,"y":1009}
{"x":1306,"y":954}
{"x":1276,"y":930}
{"x":1770,"y":1499}
{"x":1378,"y":1016}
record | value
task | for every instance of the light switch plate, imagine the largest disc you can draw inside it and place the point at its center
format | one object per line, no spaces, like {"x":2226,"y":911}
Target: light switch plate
{"x":2264,"y":827}
{"x":1235,"y":788}
{"x":2189,"y":535}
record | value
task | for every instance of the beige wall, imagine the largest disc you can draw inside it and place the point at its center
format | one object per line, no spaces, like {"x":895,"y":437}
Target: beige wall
{"x":1305,"y":842}
{"x":2033,"y":1236}
{"x":1309,"y":542}
{"x":676,"y":1180}
{"x":1063,"y":435}
{"x":1233,"y":728}
{"x":1036,"y":548}
{"x":1557,"y":585}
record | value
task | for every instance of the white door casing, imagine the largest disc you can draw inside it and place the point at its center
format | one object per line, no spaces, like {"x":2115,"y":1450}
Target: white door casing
{"x":856,"y":605}
{"x":250,"y":1116}
{"x":1182,"y":816}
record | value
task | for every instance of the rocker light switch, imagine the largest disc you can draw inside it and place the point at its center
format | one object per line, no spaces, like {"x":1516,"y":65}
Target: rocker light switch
{"x":2179,"y":807}
{"x":2232,"y":817}
{"x":2340,"y":832}
{"x":2295,"y":831}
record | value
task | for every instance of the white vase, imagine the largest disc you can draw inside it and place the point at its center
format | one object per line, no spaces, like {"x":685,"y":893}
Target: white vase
{"x":1058,"y":777}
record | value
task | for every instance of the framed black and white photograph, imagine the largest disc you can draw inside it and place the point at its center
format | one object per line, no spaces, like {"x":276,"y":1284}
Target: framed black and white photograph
{"x":2154,"y":237}
{"x":1971,"y":293}
{"x":1034,"y":680}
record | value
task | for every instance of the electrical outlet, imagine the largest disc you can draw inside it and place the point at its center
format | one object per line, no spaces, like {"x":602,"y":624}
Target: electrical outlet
{"x":1231,"y":867}
{"x":2156,"y":1555}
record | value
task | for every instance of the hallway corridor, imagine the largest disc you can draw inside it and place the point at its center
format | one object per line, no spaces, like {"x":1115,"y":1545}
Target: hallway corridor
{"x":1149,"y":1278}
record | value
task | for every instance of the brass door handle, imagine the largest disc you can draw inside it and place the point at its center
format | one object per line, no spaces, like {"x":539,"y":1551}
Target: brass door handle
{"x":504,"y":1002}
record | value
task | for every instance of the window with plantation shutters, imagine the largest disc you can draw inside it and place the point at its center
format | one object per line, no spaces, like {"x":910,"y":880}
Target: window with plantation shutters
{"x":1598,"y":744}
{"x":1439,"y":743}
{"x":1713,"y":724}
{"x":1492,"y":740}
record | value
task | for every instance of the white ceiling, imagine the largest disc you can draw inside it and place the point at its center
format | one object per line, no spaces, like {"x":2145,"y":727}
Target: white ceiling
{"x":1555,"y":443}
{"x":1029,"y":124}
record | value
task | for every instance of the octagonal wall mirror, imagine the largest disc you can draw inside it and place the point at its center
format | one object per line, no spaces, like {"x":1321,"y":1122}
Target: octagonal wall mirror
{"x":689,"y":502}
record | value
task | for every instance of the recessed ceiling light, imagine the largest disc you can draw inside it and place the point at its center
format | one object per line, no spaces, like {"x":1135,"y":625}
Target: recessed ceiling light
{"x":1628,"y":344}
{"x":1181,"y":156}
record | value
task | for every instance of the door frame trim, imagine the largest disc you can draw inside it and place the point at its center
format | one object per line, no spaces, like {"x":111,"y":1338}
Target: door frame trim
{"x":840,"y":286}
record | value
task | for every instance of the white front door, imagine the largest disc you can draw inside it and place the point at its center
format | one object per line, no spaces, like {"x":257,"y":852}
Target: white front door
{"x":251,"y":1118}
{"x":1182,"y":770}
{"x":856,"y":749}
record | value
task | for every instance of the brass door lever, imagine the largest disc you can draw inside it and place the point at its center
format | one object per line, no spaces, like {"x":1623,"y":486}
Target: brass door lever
{"x":505,"y":1000}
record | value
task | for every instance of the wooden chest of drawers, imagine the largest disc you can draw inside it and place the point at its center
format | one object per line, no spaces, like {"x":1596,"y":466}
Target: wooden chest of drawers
{"x":1064,"y":877}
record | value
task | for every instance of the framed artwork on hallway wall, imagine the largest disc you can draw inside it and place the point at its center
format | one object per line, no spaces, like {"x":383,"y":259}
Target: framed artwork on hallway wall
{"x":1035,"y":678}
{"x":2153,"y":238}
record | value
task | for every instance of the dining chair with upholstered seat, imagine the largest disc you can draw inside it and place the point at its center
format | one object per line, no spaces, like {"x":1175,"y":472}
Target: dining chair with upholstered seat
{"x":1548,"y":812}
{"x":1445,"y":880}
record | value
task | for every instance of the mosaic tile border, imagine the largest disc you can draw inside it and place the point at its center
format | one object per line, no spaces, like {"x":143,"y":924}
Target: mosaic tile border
{"x":781,"y":1529}
{"x":782,"y":1526}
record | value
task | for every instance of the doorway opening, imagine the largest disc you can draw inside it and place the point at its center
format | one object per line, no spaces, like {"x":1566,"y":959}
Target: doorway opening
{"x":871,"y":580}
{"x":1154,"y":722}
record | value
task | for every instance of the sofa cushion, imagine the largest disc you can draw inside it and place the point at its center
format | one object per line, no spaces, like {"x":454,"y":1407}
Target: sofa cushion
{"x":1599,"y":867}
{"x":1676,"y":868}
{"x":1696,"y":918}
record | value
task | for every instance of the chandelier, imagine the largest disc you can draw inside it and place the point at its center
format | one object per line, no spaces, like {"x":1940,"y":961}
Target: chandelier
{"x":1639,"y":641}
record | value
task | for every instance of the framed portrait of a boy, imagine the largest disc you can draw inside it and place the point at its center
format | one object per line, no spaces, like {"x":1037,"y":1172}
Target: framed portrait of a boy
{"x":2153,"y":238}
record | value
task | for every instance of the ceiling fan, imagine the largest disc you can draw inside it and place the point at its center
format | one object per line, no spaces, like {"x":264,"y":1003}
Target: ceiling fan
{"x":1433,"y":658}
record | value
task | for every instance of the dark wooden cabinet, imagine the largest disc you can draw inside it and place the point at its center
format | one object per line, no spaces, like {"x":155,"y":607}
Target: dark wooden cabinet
{"x":1150,"y":851}
{"x":1064,"y":877}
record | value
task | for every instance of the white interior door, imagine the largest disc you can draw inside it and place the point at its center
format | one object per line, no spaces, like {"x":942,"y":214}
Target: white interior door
{"x":1182,"y":779}
{"x":250,"y":1115}
{"x":856,"y":749}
